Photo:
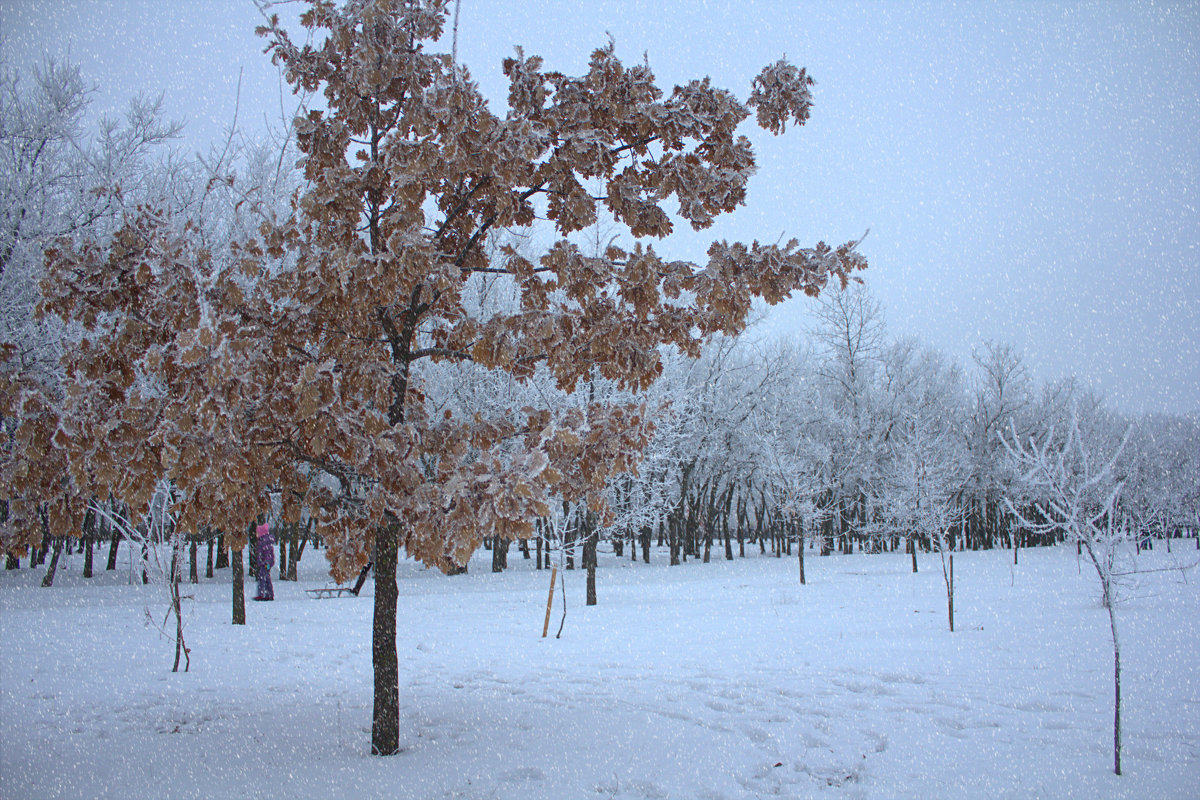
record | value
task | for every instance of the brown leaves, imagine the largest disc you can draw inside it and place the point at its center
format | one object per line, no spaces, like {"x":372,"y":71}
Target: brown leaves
{"x":303,"y":380}
{"x":779,"y":93}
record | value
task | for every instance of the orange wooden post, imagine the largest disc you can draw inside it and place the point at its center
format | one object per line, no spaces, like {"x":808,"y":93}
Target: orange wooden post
{"x":549,"y":600}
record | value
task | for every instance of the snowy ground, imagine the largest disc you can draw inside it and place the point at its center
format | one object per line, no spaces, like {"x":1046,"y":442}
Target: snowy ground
{"x":721,"y":680}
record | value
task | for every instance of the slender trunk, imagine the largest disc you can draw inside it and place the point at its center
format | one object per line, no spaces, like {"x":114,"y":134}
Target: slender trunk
{"x":222,"y":552}
{"x":912,"y":548}
{"x":549,"y":597}
{"x":238,"y":579}
{"x":1112,"y":622}
{"x":208,"y":564}
{"x":385,"y":718}
{"x":181,"y":648}
{"x":950,"y":593}
{"x":539,"y":552}
{"x":673,"y":539}
{"x":193,"y":563}
{"x":284,"y":532}
{"x":11,"y":561}
{"x":800,"y":552}
{"x":646,"y":534}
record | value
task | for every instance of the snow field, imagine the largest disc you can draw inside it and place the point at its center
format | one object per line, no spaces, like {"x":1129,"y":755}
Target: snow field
{"x":720,"y":680}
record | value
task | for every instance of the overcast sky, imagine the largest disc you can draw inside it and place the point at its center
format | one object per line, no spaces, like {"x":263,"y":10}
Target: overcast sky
{"x":1028,"y":171}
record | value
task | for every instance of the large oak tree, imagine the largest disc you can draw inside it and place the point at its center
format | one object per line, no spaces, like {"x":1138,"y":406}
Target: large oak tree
{"x":295,"y":369}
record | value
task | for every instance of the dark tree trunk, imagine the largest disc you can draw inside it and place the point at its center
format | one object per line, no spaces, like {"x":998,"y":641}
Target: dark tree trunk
{"x":58,"y":546}
{"x":238,"y":579}
{"x":193,"y":564}
{"x":673,"y":536}
{"x":589,"y":561}
{"x":800,"y":551}
{"x":539,"y":552}
{"x":222,"y":552}
{"x":252,"y":552}
{"x":11,"y":561}
{"x":39,"y":553}
{"x":499,"y":554}
{"x":524,"y":545}
{"x":646,"y":534}
{"x":145,"y":561}
{"x":89,"y":539}
{"x":285,"y":531}
{"x":385,"y":718}
{"x":48,"y":580}
{"x":208,"y":563}
{"x":114,"y":544}
{"x":295,"y":553}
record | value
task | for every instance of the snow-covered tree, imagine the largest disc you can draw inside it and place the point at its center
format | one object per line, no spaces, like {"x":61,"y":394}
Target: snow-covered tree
{"x":57,"y":179}
{"x":849,"y":336}
{"x":1077,"y":474}
{"x":1001,"y":395}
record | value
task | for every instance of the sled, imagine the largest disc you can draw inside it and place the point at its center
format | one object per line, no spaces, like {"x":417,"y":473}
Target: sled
{"x":338,"y":591}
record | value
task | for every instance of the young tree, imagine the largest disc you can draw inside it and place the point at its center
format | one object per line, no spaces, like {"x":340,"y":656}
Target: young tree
{"x":304,"y":371}
{"x":1080,"y":488}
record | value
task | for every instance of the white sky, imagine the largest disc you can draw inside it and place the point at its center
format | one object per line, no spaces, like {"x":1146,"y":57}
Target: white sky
{"x":1028,"y":171}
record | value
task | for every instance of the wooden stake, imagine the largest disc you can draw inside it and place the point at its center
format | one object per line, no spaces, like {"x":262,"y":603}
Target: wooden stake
{"x":952,"y":593}
{"x":549,"y":600}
